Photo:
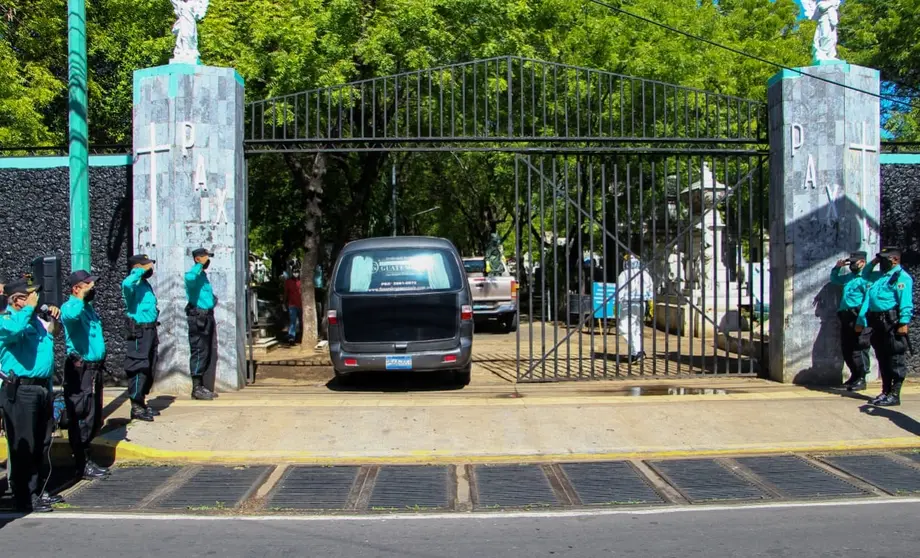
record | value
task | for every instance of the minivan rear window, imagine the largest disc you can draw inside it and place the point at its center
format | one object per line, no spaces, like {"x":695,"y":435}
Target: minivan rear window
{"x":405,"y":270}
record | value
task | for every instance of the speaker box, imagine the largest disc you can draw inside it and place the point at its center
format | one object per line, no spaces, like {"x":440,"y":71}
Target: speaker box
{"x":46,"y":271}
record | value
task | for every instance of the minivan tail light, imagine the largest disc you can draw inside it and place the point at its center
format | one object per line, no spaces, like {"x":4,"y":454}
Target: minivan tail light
{"x":448,"y":359}
{"x":351,"y":362}
{"x":514,"y":289}
{"x":332,"y":317}
{"x":466,"y":312}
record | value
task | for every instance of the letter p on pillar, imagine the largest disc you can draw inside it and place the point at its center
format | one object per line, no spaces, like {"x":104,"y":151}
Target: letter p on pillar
{"x":798,"y":137}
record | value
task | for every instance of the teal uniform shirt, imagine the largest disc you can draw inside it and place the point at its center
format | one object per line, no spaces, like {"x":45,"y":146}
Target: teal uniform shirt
{"x":855,"y":287}
{"x":198,"y":288}
{"x":26,"y":347}
{"x":83,"y":330}
{"x":140,"y":302}
{"x":887,"y":293}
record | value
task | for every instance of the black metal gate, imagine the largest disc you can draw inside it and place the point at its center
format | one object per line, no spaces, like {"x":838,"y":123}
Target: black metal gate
{"x":639,"y":207}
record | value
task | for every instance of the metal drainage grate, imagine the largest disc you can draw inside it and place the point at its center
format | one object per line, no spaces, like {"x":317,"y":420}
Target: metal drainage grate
{"x":702,"y":480}
{"x":214,"y":488}
{"x":513,"y":486}
{"x":125,"y":488}
{"x":614,"y":482}
{"x":314,"y":488}
{"x":887,"y":474}
{"x":411,"y":488}
{"x":796,"y":478}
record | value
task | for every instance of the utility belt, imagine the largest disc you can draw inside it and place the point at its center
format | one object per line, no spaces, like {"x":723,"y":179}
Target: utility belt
{"x":192,"y":310}
{"x":888,"y":319}
{"x":134,"y":330}
{"x":14,"y":382}
{"x":87,"y":365}
{"x":200,"y":320}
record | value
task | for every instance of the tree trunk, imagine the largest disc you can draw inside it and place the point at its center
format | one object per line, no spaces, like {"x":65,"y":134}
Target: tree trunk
{"x":312,"y":183}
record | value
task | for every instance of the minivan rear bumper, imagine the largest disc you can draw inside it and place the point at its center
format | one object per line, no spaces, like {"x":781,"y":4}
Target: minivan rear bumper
{"x":422,"y":361}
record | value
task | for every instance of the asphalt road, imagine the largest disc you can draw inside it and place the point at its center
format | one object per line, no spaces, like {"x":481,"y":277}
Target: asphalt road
{"x":863,"y":531}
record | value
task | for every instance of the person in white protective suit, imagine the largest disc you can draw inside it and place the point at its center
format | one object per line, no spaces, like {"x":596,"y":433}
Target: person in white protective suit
{"x":634,"y":290}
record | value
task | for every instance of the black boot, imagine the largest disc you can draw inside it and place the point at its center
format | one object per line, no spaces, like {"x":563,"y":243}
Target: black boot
{"x":90,"y":472}
{"x":856,"y":383}
{"x":151,"y":411}
{"x":37,"y":506}
{"x":893,"y":399}
{"x":52,"y":500}
{"x":139,"y":412}
{"x":199,"y":391}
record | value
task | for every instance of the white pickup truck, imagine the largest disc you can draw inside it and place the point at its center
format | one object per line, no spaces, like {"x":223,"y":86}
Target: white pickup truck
{"x":495,"y":293}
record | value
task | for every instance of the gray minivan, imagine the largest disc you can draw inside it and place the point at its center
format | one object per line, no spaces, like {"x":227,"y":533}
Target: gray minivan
{"x":400,"y":303}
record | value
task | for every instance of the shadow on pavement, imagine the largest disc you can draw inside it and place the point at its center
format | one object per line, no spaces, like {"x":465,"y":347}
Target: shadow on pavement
{"x":899,"y":419}
{"x":842,"y":392}
{"x":395,"y":382}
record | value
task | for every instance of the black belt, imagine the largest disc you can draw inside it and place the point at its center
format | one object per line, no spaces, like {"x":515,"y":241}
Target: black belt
{"x":200,"y":311}
{"x":151,"y":325}
{"x":89,"y":365}
{"x":43,"y":382}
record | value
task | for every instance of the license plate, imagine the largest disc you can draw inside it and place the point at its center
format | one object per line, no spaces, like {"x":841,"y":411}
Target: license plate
{"x":399,"y":363}
{"x":481,"y":306}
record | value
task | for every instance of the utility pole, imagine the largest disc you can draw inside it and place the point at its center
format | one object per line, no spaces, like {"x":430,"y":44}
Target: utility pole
{"x":79,"y":136}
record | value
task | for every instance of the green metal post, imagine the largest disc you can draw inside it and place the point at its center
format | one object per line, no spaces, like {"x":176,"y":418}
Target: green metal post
{"x":79,"y":136}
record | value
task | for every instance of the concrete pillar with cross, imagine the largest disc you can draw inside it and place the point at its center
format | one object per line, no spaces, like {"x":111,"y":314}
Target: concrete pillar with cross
{"x":190,"y":192}
{"x":824,"y":203}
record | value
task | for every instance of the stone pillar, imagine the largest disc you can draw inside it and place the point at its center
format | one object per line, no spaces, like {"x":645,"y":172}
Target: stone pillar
{"x":190,"y":191}
{"x":824,"y":203}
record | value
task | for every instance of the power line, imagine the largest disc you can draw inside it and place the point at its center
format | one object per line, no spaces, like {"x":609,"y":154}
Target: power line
{"x":746,"y":54}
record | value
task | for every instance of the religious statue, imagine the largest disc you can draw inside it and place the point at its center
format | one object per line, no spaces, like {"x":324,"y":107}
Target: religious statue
{"x":188,"y":14}
{"x":825,"y":12}
{"x":494,"y":255}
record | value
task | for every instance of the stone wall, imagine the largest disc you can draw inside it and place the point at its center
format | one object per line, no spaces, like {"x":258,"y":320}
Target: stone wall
{"x":901,"y":227}
{"x":34,"y":220}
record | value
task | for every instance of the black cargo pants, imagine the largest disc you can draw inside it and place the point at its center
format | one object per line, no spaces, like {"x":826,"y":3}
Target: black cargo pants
{"x":201,"y":328}
{"x":141,"y":348}
{"x":83,"y":398}
{"x":27,"y":418}
{"x":890,"y":348}
{"x":855,"y":346}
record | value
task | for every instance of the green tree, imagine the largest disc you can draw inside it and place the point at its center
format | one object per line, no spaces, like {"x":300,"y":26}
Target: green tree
{"x":886,"y":35}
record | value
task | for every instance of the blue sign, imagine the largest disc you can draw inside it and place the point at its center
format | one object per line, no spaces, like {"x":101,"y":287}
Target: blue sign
{"x":605,"y":300}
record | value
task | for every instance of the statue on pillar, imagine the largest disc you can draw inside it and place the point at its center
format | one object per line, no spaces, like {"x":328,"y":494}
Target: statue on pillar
{"x":188,"y":14}
{"x":825,"y":12}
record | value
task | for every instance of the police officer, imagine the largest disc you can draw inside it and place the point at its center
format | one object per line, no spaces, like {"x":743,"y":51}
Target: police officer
{"x":201,"y":325}
{"x":141,"y":335}
{"x":27,"y":359}
{"x":84,"y":371}
{"x":855,"y":345}
{"x":888,"y":309}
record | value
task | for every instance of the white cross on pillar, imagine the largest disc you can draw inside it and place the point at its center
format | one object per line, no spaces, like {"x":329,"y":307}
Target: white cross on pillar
{"x":152,"y":149}
{"x":864,"y":148}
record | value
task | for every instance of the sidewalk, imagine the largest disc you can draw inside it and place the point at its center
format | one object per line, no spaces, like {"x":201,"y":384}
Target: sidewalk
{"x":503,"y":423}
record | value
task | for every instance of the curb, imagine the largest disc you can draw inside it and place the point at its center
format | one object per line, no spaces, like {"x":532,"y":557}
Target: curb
{"x":128,"y":451}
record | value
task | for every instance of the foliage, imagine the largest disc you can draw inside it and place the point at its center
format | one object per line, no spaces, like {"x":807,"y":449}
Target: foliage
{"x":886,"y":35}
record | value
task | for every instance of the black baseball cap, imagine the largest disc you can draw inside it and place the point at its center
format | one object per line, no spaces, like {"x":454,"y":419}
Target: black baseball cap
{"x":890,"y":252}
{"x":859,"y":255}
{"x":82,"y":276}
{"x":140,"y":259}
{"x":20,"y":286}
{"x":197,"y":253}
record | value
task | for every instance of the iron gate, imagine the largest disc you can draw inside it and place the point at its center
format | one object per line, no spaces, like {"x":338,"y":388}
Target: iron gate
{"x":605,"y":167}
